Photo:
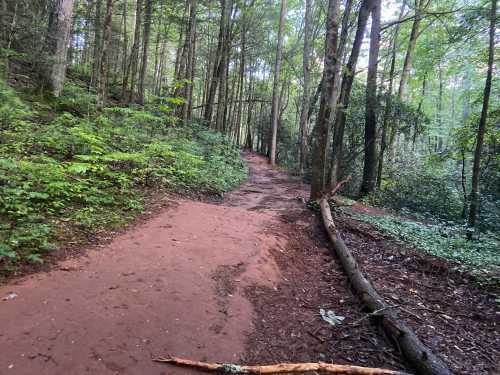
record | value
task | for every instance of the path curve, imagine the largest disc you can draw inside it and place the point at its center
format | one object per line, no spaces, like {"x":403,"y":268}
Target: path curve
{"x":173,"y":284}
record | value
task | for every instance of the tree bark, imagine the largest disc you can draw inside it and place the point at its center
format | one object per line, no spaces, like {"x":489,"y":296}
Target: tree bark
{"x":54,"y":70}
{"x":304,"y":120}
{"x":230,"y":368}
{"x":106,"y":40}
{"x":419,"y":4}
{"x":222,"y":108}
{"x":145,"y":49}
{"x":327,"y":102}
{"x":214,"y":82}
{"x":125,"y":38}
{"x":96,"y":63}
{"x":474,"y":194}
{"x":388,"y":99}
{"x":345,"y":91}
{"x":370,"y":160}
{"x":133,"y":61}
{"x":275,"y":100}
{"x":415,"y":352}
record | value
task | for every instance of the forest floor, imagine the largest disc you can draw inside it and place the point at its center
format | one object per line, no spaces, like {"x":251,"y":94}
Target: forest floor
{"x":240,"y":280}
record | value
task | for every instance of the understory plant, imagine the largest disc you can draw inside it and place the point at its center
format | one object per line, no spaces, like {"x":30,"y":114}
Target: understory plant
{"x":67,"y":166}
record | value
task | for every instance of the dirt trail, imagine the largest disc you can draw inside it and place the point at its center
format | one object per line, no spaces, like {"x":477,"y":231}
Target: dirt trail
{"x":174,"y":284}
{"x":239,"y":280}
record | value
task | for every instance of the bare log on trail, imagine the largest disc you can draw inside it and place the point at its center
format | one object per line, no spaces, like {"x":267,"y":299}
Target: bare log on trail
{"x":414,"y":351}
{"x":279,"y":368}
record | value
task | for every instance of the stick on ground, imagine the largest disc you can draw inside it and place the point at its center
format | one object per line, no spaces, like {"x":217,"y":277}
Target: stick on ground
{"x":279,"y":368}
{"x":420,"y":357}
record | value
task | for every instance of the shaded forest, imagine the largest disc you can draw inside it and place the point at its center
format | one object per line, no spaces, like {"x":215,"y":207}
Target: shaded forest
{"x":227,"y":123}
{"x":397,"y":97}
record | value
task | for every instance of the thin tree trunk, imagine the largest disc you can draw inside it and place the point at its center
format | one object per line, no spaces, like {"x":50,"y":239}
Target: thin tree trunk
{"x":133,"y":61}
{"x":388,"y":99}
{"x":412,"y":42}
{"x":222,"y":108}
{"x":275,"y":100}
{"x":145,"y":49}
{"x":345,"y":91}
{"x":327,"y":102}
{"x":96,"y":64}
{"x":103,"y":81}
{"x":411,"y":48}
{"x":474,"y":195}
{"x":217,"y":64}
{"x":306,"y":59}
{"x":242,"y":83}
{"x":370,"y":161}
{"x":125,"y":38}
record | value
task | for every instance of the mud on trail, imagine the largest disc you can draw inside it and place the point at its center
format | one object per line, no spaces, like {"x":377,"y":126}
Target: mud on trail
{"x":240,"y":280}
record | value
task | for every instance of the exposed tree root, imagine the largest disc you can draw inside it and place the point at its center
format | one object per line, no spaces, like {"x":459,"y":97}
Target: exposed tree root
{"x":279,"y":368}
{"x":414,"y":351}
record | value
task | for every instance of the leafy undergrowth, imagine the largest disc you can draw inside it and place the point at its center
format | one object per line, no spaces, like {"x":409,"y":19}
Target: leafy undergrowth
{"x":480,"y":258}
{"x":67,"y":165}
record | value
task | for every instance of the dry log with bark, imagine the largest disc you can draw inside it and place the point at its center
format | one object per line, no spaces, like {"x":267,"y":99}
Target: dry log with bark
{"x":414,"y":351}
{"x":279,"y":368}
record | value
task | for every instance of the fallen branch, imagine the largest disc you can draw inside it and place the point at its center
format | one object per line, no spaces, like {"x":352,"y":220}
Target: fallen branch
{"x":415,"y":352}
{"x":279,"y":368}
{"x":336,"y":188}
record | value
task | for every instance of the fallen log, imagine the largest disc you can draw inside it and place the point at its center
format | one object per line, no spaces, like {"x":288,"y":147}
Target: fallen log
{"x":413,"y":350}
{"x":279,"y":368}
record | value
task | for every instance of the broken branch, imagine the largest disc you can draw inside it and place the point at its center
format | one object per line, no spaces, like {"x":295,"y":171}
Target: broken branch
{"x":279,"y":368}
{"x":416,"y":353}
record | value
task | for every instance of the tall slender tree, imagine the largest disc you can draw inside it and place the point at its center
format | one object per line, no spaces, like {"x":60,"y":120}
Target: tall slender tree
{"x":370,"y":160}
{"x":275,"y":99}
{"x":327,"y":102}
{"x":145,"y":50}
{"x":481,"y":130}
{"x":105,"y":52}
{"x":345,"y":90}
{"x":306,"y":68}
{"x":133,"y":61}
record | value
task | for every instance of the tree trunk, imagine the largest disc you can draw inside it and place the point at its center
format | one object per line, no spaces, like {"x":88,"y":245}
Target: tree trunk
{"x":242,"y":83}
{"x":186,"y":69}
{"x":345,"y":91}
{"x":327,"y":102}
{"x":54,"y":70}
{"x":133,"y":61}
{"x":414,"y":34}
{"x":303,"y":127}
{"x":388,"y":99}
{"x":275,"y":100}
{"x":145,"y":48}
{"x":370,"y":160}
{"x":125,"y":38}
{"x":421,"y":358}
{"x":419,"y":4}
{"x":106,"y":41}
{"x":96,"y":63}
{"x":474,"y":194}
{"x":217,"y":64}
{"x":222,"y":107}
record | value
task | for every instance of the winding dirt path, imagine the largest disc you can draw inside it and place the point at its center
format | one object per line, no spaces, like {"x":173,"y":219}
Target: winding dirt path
{"x":242,"y":280}
{"x":174,"y":284}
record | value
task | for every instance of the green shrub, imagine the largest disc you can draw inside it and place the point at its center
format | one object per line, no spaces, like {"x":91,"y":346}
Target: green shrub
{"x":87,"y":169}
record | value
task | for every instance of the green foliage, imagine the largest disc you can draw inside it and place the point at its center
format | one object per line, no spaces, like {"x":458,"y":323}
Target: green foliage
{"x":422,"y":188}
{"x":480,"y":258}
{"x":88,"y":171}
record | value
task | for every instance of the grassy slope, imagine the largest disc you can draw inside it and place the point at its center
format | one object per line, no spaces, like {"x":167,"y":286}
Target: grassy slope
{"x":66,"y":165}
